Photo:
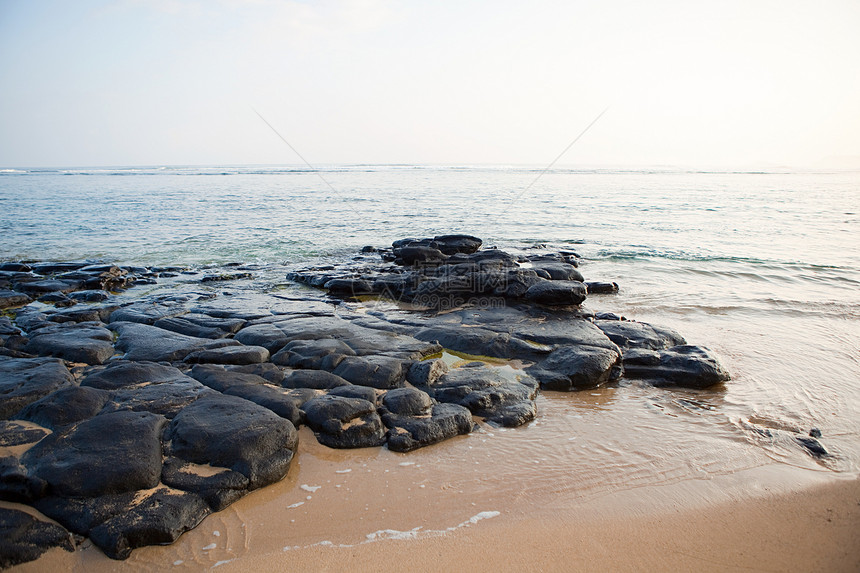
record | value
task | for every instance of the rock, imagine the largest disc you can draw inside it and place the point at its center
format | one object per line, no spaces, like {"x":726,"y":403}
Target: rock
{"x":39,"y":287}
{"x":488,"y":394}
{"x":234,"y":433}
{"x":25,"y":380}
{"x":451,"y":244}
{"x":249,"y":387}
{"x":268,"y":336}
{"x":349,"y":287}
{"x":353,"y":391}
{"x":14,"y":433}
{"x":557,"y":293}
{"x":147,"y":313}
{"x":52,"y":268}
{"x":17,"y":484}
{"x":576,"y":368}
{"x":89,"y":296}
{"x":201,"y":325}
{"x":15,"y":266}
{"x":419,"y":254}
{"x":812,"y":446}
{"x":164,"y":398}
{"x":159,"y":519}
{"x":410,"y":433}
{"x":64,"y":407}
{"x":629,"y":334}
{"x":557,"y":271}
{"x":110,"y":453}
{"x":237,"y":355}
{"x":124,"y":373}
{"x":89,"y":344}
{"x":119,"y":523}
{"x":266,"y":370}
{"x":407,"y":402}
{"x":426,"y":372}
{"x":310,"y":353}
{"x":10,"y":299}
{"x":219,"y":487}
{"x":379,"y":372}
{"x":143,"y":342}
{"x":24,"y":538}
{"x":315,"y":379}
{"x":601,"y":287}
{"x":88,"y":313}
{"x":344,"y":422}
{"x":686,"y":366}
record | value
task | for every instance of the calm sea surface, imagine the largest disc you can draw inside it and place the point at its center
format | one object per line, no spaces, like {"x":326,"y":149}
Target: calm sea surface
{"x":763,"y":268}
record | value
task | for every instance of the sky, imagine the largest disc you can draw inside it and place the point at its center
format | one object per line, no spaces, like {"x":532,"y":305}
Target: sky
{"x":735,"y":83}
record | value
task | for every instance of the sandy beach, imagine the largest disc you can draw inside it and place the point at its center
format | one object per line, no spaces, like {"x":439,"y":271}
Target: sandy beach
{"x":375,"y":510}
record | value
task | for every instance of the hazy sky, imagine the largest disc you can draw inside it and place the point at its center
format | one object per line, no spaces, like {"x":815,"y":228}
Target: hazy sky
{"x":86,"y":83}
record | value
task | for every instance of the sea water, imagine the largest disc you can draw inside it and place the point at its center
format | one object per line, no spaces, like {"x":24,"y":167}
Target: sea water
{"x":763,"y":268}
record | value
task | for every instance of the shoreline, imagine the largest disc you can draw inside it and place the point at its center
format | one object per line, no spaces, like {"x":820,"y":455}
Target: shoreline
{"x":785,"y":520}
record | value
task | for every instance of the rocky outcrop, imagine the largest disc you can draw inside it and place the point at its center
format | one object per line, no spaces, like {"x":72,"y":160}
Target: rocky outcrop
{"x":128,"y":419}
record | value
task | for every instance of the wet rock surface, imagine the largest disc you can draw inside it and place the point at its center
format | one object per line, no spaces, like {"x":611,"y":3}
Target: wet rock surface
{"x":131,"y":412}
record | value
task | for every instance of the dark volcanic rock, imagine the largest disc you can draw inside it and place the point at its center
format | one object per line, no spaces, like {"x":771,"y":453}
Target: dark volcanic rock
{"x":344,"y":422}
{"x":310,"y":353}
{"x":557,"y":293}
{"x":629,"y":334}
{"x":315,"y":379}
{"x":231,"y":432}
{"x":119,"y":523}
{"x":576,"y":368}
{"x":426,"y":372}
{"x":66,"y":406}
{"x":601,"y":287}
{"x":14,"y":433}
{"x":24,"y":538}
{"x":10,"y":298}
{"x":379,"y":372}
{"x":219,"y":487}
{"x":89,"y":344}
{"x":158,"y":519}
{"x":144,"y":342}
{"x":452,"y":244}
{"x":25,"y":380}
{"x":250,"y":387}
{"x":94,"y":457}
{"x":201,"y":325}
{"x":487,"y":393}
{"x":557,"y":271}
{"x":686,"y":366}
{"x":147,"y":313}
{"x":407,"y":402}
{"x":166,"y":398}
{"x":353,"y":391}
{"x":124,"y":373}
{"x":236,"y":355}
{"x":407,"y":433}
{"x":17,"y":484}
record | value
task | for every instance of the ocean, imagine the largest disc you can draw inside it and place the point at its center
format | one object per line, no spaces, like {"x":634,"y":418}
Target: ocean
{"x":761,"y":267}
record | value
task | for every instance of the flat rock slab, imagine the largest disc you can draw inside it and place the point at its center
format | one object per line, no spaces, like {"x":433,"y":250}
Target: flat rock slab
{"x":144,"y":342}
{"x":557,"y":293}
{"x":25,"y":380}
{"x":10,"y":299}
{"x":236,"y":355}
{"x":124,"y":373}
{"x":75,"y":343}
{"x":24,"y":538}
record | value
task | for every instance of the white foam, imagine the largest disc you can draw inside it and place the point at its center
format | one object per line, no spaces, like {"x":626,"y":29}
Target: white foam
{"x":210,"y":546}
{"x":397,"y":535}
{"x":310,"y":488}
{"x":295,"y":505}
{"x":223,"y":562}
{"x":346,"y":471}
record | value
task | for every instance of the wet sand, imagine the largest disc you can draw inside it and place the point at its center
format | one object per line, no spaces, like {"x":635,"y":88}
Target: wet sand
{"x":375,"y":510}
